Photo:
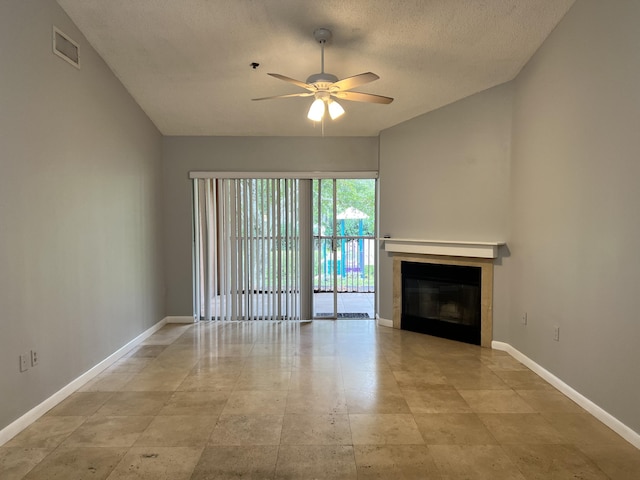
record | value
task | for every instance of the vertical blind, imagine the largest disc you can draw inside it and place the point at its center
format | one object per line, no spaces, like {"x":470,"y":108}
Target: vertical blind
{"x":246,"y":249}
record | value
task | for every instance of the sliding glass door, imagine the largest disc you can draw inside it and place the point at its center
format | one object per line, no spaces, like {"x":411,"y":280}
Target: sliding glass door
{"x":283,"y":248}
{"x":343,"y":248}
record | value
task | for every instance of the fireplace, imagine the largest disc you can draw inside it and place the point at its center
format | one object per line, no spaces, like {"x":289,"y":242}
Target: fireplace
{"x":467,"y":259}
{"x":442,"y":300}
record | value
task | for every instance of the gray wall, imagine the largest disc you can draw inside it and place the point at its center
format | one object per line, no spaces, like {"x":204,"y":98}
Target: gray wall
{"x":445,"y":176}
{"x":269,"y":154}
{"x":80,"y":253}
{"x":575,"y":200}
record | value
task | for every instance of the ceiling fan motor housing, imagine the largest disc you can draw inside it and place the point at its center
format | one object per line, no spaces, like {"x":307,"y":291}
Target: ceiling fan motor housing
{"x":322,"y":35}
{"x":322,"y":80}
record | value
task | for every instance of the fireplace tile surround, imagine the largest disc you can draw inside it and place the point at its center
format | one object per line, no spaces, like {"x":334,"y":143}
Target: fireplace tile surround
{"x":458,"y":253}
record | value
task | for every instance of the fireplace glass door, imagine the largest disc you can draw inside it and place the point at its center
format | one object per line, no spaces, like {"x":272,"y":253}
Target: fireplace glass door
{"x":442,"y":300}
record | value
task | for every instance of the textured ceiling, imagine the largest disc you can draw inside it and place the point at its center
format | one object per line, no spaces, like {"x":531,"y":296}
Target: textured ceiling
{"x":187,"y":62}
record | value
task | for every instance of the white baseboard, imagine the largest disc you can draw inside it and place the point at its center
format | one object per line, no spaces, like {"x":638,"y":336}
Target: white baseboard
{"x":11,"y":430}
{"x":179,"y":319}
{"x":605,"y":417}
{"x":383,"y":322}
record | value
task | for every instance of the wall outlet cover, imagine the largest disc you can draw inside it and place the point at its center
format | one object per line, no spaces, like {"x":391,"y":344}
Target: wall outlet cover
{"x":34,"y":358}
{"x":24,"y":362}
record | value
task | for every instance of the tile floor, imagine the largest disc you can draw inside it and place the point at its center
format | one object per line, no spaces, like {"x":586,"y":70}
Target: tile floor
{"x":315,"y":400}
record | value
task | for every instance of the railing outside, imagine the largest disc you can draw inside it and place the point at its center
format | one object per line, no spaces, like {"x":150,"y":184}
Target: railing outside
{"x":353,"y":269}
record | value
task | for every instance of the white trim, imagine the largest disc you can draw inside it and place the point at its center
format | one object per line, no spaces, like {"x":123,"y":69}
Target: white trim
{"x":11,"y":430}
{"x":57,"y":31}
{"x":609,"y":420}
{"x":179,"y":319}
{"x":442,"y":247}
{"x":300,"y":175}
{"x":383,"y":322}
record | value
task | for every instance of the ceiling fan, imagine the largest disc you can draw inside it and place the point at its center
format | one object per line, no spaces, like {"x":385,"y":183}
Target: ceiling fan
{"x":326,"y":87}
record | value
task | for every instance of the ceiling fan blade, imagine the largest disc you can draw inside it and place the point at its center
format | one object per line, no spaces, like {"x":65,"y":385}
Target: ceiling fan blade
{"x":285,"y":96}
{"x":300,"y":84}
{"x":355,"y":81}
{"x":362,"y":97}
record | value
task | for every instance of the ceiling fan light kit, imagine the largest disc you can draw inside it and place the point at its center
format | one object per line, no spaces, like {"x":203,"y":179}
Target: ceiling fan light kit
{"x":326,"y":87}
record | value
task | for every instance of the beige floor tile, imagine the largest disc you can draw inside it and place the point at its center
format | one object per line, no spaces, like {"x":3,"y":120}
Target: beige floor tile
{"x":582,"y":428}
{"x":80,"y":404}
{"x":177,"y":431}
{"x":209,"y":382}
{"x":107,"y":382}
{"x":259,"y":363}
{"x":474,"y":462}
{"x":247,"y":430}
{"x":195,"y":403}
{"x":553,"y":462}
{"x":316,"y":430}
{"x":272,"y":349}
{"x":326,"y":462}
{"x":208,"y":364}
{"x":246,"y":461}
{"x":263,"y":402}
{"x":453,"y":364}
{"x":134,"y":403}
{"x":102,"y":431}
{"x":495,"y":401}
{"x":435,"y":401}
{"x":157,"y":463}
{"x":305,"y":380}
{"x":149,"y":382}
{"x":453,"y":429}
{"x":354,"y":360}
{"x":384,"y":429}
{"x":376,"y":401}
{"x":484,"y":380}
{"x":368,"y":380}
{"x":502,"y":363}
{"x":398,"y":462}
{"x":550,"y":401}
{"x":46,"y":432}
{"x":277,"y":379}
{"x":426,"y":379}
{"x":129,"y":365}
{"x":316,"y":401}
{"x":523,"y":380}
{"x":16,"y":462}
{"x":522,"y":428}
{"x":222,"y":349}
{"x":77,"y":463}
{"x":168,"y":368}
{"x":317,"y":363}
{"x":619,"y":462}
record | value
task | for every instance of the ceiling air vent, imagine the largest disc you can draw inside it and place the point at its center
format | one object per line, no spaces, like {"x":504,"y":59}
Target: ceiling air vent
{"x":66,"y":48}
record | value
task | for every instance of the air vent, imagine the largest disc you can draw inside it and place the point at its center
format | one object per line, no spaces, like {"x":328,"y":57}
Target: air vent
{"x":66,"y":48}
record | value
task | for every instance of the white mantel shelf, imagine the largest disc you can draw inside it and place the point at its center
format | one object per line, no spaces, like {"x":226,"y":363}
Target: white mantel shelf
{"x":442,"y":247}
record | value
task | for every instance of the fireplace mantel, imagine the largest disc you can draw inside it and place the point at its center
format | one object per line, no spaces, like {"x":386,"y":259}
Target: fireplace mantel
{"x":442,"y":247}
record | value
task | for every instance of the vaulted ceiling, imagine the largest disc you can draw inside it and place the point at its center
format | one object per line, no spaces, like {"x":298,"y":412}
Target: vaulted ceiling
{"x":187,"y":62}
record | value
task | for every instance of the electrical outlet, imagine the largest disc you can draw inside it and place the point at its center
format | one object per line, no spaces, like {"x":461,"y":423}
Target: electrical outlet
{"x":556,"y":333}
{"x":524,"y":318}
{"x":24,"y":362}
{"x":34,"y":358}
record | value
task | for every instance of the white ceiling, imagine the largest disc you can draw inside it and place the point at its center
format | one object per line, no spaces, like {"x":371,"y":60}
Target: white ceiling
{"x":187,"y":62}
